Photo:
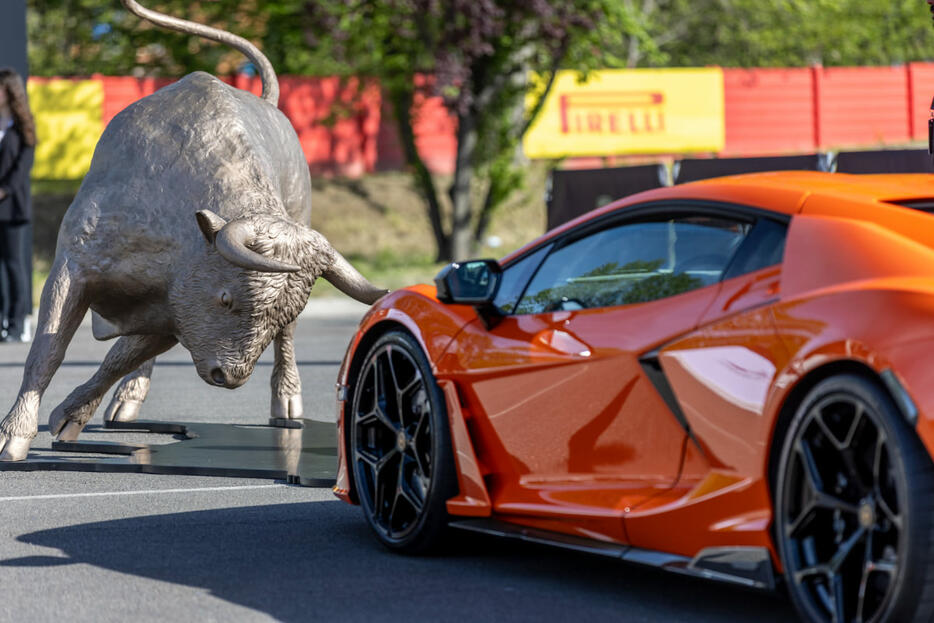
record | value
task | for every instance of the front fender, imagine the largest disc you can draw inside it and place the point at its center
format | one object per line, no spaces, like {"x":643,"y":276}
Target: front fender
{"x":416,"y":310}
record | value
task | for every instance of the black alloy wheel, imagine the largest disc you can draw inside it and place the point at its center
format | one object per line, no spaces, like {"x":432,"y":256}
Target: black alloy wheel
{"x":853,"y":512}
{"x":400,"y":446}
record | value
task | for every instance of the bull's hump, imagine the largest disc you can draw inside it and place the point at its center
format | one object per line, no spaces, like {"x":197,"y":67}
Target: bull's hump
{"x":184,"y":135}
{"x":197,"y":105}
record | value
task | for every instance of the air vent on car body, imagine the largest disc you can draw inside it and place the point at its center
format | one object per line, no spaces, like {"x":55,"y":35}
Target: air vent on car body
{"x":924,"y":205}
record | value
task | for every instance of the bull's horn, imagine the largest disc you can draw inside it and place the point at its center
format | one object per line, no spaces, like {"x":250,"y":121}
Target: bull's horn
{"x":209,"y":224}
{"x":348,"y":280}
{"x":231,"y":242}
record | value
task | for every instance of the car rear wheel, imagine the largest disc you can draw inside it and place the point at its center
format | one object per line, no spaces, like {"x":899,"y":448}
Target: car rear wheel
{"x":400,"y":446}
{"x":854,"y":513}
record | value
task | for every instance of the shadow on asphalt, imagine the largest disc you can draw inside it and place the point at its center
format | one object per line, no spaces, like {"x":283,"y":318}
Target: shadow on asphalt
{"x":318,"y":561}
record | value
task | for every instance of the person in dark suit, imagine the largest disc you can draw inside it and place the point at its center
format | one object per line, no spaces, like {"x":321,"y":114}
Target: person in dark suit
{"x":17,"y":147}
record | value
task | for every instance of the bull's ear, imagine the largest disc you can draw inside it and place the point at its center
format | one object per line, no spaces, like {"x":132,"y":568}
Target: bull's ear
{"x":210,"y":224}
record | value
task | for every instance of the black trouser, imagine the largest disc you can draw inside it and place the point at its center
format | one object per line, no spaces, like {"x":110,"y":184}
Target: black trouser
{"x":11,"y":255}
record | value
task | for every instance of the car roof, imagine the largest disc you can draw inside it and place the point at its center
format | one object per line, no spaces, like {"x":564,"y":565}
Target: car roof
{"x":783,"y":192}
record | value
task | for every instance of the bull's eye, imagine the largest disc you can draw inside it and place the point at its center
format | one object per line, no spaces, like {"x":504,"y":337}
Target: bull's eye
{"x":226,"y":299}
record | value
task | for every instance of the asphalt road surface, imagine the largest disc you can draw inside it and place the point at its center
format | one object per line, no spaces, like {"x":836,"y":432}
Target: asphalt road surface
{"x":135,"y":547}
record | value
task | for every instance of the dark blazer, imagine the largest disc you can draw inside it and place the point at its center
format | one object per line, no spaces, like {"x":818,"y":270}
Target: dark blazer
{"x":15,"y":164}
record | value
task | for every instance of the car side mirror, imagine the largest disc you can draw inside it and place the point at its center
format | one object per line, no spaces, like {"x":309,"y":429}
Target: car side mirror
{"x":475,"y":282}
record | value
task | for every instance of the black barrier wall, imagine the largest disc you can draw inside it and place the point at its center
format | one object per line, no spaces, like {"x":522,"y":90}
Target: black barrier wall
{"x":691,"y":170}
{"x":576,"y":192}
{"x":885,"y":161}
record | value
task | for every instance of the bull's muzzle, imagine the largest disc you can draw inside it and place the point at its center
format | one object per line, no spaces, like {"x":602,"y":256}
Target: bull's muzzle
{"x":221,"y":378}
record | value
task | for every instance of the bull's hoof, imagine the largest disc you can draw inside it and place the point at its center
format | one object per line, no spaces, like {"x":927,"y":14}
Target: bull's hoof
{"x":14,"y":448}
{"x":70,"y":431}
{"x":286,"y":408}
{"x":65,"y":425}
{"x":57,"y":420}
{"x":122,"y":410}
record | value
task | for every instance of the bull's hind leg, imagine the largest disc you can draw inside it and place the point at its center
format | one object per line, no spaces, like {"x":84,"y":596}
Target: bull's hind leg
{"x":61,"y":309}
{"x":285,"y":382}
{"x":130,"y":394}
{"x":69,"y":418}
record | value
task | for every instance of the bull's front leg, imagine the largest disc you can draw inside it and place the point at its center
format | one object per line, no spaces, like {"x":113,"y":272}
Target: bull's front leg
{"x":285,"y":382}
{"x":127,"y":354}
{"x":130,"y":394}
{"x":61,"y":309}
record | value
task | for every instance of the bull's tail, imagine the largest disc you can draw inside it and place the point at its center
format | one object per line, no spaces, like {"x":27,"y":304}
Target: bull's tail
{"x":348,"y":280}
{"x":266,"y":72}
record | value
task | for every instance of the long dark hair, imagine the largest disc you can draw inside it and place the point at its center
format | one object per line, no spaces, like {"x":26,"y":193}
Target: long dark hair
{"x":19,"y":104}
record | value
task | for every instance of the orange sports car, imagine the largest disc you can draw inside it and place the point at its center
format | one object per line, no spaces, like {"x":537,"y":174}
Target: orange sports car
{"x":732,"y":378}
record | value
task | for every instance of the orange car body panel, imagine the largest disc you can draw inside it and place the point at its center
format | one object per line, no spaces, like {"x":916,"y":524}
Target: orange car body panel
{"x":559,"y":428}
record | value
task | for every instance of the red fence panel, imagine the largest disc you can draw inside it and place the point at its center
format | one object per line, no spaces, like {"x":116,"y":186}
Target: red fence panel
{"x":768,"y":111}
{"x":121,"y":91}
{"x":862,"y":106}
{"x":920,"y":90}
{"x":337,"y":122}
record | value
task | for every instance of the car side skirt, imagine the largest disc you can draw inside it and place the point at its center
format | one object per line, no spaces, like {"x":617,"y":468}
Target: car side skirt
{"x":746,"y":566}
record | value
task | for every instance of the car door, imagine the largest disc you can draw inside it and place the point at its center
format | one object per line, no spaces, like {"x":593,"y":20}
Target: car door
{"x":723,"y":372}
{"x":571,"y":424}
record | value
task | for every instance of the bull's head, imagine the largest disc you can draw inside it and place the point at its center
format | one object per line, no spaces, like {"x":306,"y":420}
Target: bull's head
{"x":255,"y":279}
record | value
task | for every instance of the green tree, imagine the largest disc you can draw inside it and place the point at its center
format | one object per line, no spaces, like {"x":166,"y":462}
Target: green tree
{"x":480,"y":56}
{"x":81,"y":37}
{"x":791,"y":33}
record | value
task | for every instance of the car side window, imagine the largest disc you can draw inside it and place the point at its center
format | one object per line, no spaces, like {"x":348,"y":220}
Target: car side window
{"x":515,"y":277}
{"x":763,"y":247}
{"x":634,"y":262}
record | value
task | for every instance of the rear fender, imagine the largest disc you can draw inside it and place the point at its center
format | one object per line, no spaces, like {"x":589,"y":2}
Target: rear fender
{"x":885,"y":328}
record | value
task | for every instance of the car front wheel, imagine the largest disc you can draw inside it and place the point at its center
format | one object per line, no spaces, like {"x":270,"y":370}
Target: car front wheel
{"x":400,"y":446}
{"x":853,"y":511}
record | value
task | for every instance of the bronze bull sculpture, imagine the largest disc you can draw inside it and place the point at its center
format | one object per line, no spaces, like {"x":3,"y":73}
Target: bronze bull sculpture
{"x":188,"y":228}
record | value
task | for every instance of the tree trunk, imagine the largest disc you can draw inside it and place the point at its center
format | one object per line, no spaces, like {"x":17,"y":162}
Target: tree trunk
{"x":461,"y":238}
{"x":523,"y":120}
{"x":402,"y":110}
{"x":486,"y":215}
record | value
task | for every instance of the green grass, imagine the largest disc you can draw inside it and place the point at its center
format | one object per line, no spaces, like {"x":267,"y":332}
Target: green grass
{"x":55,"y":187}
{"x":39,"y":275}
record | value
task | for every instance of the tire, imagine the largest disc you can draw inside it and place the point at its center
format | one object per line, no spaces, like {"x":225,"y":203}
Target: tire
{"x":400,"y":446}
{"x":854,"y":508}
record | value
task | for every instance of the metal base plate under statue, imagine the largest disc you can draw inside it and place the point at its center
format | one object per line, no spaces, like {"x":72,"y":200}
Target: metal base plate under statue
{"x":302,"y":453}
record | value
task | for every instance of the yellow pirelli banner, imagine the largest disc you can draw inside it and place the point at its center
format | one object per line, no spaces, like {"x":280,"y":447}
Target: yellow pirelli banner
{"x":68,"y":124}
{"x":630,"y":111}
